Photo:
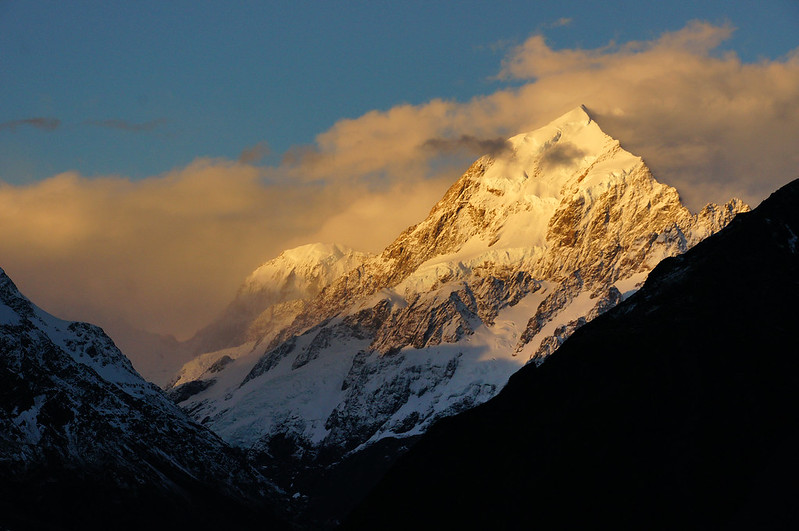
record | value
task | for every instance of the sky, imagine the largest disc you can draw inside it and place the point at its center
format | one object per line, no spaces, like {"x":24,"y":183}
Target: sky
{"x":152,"y":154}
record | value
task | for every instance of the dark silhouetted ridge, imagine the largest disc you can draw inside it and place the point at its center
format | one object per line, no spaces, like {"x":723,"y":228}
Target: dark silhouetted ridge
{"x":676,"y":410}
{"x":86,"y":443}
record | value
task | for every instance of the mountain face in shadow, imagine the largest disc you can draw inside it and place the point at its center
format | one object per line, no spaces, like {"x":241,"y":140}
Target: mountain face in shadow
{"x":86,"y":443}
{"x":676,"y":410}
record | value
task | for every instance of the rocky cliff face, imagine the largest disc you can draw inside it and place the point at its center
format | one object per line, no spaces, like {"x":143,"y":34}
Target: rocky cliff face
{"x":86,"y":443}
{"x":275,"y":293}
{"x":522,"y":250}
{"x":267,"y":302}
{"x":675,"y":410}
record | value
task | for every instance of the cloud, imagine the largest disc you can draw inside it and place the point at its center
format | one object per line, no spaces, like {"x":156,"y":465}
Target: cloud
{"x":468,"y":143}
{"x":167,"y":253}
{"x":535,"y":59}
{"x":704,"y":121}
{"x":165,"y":249}
{"x":370,"y":220}
{"x":45,"y":124}
{"x":124,"y":125}
{"x":561,"y":22}
{"x":254,"y":153}
{"x":561,"y":154}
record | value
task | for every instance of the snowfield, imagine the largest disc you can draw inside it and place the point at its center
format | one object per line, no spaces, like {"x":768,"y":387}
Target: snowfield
{"x":522,"y":250}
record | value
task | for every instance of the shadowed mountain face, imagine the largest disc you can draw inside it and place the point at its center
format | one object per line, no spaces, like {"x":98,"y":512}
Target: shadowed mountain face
{"x":676,"y":410}
{"x":86,"y":443}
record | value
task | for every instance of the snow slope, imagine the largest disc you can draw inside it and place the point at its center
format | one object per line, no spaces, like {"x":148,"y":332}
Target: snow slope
{"x":75,"y":415}
{"x":268,"y":301}
{"x":523,"y":249}
{"x":677,"y":410}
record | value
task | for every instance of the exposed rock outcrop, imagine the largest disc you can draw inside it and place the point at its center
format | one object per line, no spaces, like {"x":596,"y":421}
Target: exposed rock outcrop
{"x":521,"y":251}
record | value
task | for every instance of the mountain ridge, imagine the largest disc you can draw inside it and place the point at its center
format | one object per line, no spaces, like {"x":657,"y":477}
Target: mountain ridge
{"x":526,"y":247}
{"x":674,"y":410}
{"x":268,"y":300}
{"x":86,"y":443}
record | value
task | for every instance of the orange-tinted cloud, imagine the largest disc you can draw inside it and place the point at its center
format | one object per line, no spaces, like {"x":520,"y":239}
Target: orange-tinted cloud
{"x":253,"y":154}
{"x":161,"y":252}
{"x":167,"y":253}
{"x":535,"y":59}
{"x":705,"y":122}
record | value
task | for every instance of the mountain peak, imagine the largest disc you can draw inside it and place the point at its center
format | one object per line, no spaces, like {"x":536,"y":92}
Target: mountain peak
{"x":269,"y":299}
{"x":562,"y":139}
{"x":571,"y":121}
{"x":315,"y":264}
{"x":683,"y":396}
{"x":527,"y":246}
{"x":566,"y":187}
{"x":578,"y":115}
{"x":558,"y":220}
{"x":315,"y":252}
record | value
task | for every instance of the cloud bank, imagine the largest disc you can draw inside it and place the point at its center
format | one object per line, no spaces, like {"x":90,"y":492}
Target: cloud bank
{"x":167,"y":253}
{"x":705,"y":122}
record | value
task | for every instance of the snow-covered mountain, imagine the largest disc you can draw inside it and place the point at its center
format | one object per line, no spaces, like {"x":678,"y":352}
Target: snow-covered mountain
{"x":675,"y":410}
{"x":267,"y":302}
{"x":523,"y":249}
{"x":86,"y":443}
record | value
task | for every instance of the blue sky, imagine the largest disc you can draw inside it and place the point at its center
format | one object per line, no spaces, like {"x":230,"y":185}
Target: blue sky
{"x":154,"y":153}
{"x":140,"y":88}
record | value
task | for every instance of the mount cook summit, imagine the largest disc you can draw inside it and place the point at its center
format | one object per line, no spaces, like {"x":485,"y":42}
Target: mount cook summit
{"x":347,"y":350}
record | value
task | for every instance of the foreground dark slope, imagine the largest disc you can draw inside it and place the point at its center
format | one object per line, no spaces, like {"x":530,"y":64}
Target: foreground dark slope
{"x":86,"y":443}
{"x":676,"y":410}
